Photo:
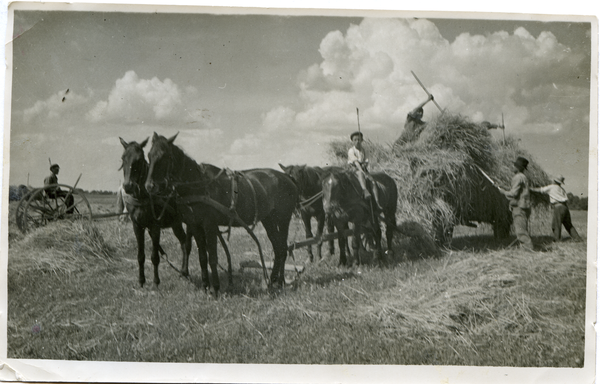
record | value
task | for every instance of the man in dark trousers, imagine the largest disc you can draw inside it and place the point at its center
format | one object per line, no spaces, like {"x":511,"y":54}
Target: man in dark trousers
{"x":520,"y":202}
{"x":413,"y":125}
{"x":55,"y":191}
{"x":561,"y":214}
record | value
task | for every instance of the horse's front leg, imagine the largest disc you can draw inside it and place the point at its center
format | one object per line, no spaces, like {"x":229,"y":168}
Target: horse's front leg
{"x":356,"y":243}
{"x":277,"y":231}
{"x":340,"y":227}
{"x":320,"y":225}
{"x":155,"y":236}
{"x":213,"y":262}
{"x":141,"y":256}
{"x":185,"y":242}
{"x":330,"y":229}
{"x":390,"y":228}
{"x":378,"y":236}
{"x":200,"y":238}
{"x":308,"y":232}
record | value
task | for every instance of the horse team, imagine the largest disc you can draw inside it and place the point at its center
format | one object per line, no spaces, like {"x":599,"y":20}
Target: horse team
{"x":172,"y":189}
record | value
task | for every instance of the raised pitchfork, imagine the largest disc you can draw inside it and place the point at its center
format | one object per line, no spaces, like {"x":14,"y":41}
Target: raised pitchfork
{"x":426,"y":91}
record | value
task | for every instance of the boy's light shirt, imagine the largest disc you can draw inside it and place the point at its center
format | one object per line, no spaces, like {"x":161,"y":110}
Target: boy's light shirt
{"x":355,"y":154}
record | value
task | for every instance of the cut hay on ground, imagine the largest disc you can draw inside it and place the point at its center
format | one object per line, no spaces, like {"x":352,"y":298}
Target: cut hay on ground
{"x":61,"y":247}
{"x":440,"y":180}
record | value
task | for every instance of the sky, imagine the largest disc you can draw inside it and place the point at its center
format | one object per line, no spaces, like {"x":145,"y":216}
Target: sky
{"x":247,"y":91}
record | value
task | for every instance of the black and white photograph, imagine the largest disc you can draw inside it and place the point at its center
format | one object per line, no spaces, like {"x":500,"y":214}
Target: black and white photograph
{"x":222,"y":194}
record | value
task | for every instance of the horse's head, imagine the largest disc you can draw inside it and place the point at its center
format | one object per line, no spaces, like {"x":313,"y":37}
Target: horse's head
{"x":294,"y":172}
{"x":307,"y":179}
{"x":332,"y":188}
{"x":342,"y":194}
{"x":134,"y":165}
{"x":161,"y":161}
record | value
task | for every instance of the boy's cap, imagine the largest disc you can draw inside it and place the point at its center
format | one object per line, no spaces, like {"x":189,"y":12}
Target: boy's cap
{"x":357,"y":133}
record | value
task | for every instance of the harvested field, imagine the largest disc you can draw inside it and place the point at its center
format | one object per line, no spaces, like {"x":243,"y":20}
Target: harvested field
{"x":479,"y":304}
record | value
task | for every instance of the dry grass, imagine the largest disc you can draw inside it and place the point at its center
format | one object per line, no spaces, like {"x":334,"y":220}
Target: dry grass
{"x":470,"y":307}
{"x":64,"y":247}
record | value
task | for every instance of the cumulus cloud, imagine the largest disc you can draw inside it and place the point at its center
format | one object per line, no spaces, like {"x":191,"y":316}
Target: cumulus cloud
{"x":369,"y":67}
{"x":133,"y":100}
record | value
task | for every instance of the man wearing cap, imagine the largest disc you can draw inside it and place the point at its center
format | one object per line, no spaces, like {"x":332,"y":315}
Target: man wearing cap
{"x":561,"y":214}
{"x":413,"y":125}
{"x":357,"y":160}
{"x":55,"y":192}
{"x":520,"y":202}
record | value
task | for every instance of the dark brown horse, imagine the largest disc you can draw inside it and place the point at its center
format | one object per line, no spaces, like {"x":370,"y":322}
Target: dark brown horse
{"x":140,"y":208}
{"x":308,"y":181}
{"x":257,"y":195}
{"x":343,"y":203}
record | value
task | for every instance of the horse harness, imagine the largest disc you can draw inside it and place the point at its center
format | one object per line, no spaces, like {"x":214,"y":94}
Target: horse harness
{"x":231,"y":212}
{"x":143,"y":202}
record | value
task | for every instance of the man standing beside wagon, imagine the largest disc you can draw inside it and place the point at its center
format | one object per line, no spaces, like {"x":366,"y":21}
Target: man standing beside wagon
{"x":520,"y":202}
{"x":560,"y":211}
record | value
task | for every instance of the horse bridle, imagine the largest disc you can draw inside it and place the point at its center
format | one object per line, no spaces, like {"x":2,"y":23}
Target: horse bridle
{"x":139,"y":193}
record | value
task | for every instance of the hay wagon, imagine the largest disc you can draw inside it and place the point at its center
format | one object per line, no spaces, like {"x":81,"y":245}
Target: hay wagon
{"x":42,"y":206}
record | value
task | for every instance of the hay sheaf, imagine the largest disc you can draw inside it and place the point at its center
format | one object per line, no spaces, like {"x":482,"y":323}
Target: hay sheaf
{"x":61,"y":247}
{"x":440,"y":180}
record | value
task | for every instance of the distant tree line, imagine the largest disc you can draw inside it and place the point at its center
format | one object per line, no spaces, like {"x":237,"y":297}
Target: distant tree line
{"x":577,"y":203}
{"x":96,"y":192}
{"x":16,"y":193}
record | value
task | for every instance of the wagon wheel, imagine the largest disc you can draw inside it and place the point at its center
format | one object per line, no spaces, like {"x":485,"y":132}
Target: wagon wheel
{"x":40,"y":209}
{"x":21,"y":208}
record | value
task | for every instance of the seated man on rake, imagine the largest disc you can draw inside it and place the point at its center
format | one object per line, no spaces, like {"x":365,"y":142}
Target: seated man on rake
{"x":56,"y":192}
{"x":358,"y":162}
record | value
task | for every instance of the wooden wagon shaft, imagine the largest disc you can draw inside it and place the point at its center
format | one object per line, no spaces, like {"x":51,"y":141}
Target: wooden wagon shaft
{"x":108,"y":215}
{"x":316,"y":240}
{"x":269,"y":265}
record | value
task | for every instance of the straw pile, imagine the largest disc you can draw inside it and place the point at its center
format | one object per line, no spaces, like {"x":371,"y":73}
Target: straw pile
{"x":439,"y":178}
{"x":63,"y":246}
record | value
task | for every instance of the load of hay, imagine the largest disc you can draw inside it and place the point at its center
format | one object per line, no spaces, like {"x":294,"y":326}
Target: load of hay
{"x":440,"y":180}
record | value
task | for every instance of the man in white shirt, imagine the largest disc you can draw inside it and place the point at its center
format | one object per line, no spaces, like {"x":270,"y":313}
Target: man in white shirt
{"x":561,"y":214}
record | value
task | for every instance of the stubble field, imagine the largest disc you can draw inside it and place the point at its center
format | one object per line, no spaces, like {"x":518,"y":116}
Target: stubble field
{"x":73,"y":295}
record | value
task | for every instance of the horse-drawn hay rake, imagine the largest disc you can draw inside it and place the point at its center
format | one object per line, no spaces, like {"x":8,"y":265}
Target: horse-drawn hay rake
{"x":42,"y":206}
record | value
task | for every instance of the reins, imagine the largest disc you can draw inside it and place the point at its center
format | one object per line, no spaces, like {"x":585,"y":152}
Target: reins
{"x":185,"y":201}
{"x":165,"y":206}
{"x":311,"y":200}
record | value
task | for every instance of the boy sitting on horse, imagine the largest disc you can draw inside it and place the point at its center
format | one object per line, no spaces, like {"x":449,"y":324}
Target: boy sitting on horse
{"x":358,"y":161}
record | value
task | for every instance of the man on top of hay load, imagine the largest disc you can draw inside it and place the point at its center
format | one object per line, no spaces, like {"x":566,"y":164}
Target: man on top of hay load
{"x":55,"y":192}
{"x":358,"y":161}
{"x":413,"y":125}
{"x":520,"y":202}
{"x":561,"y":214}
